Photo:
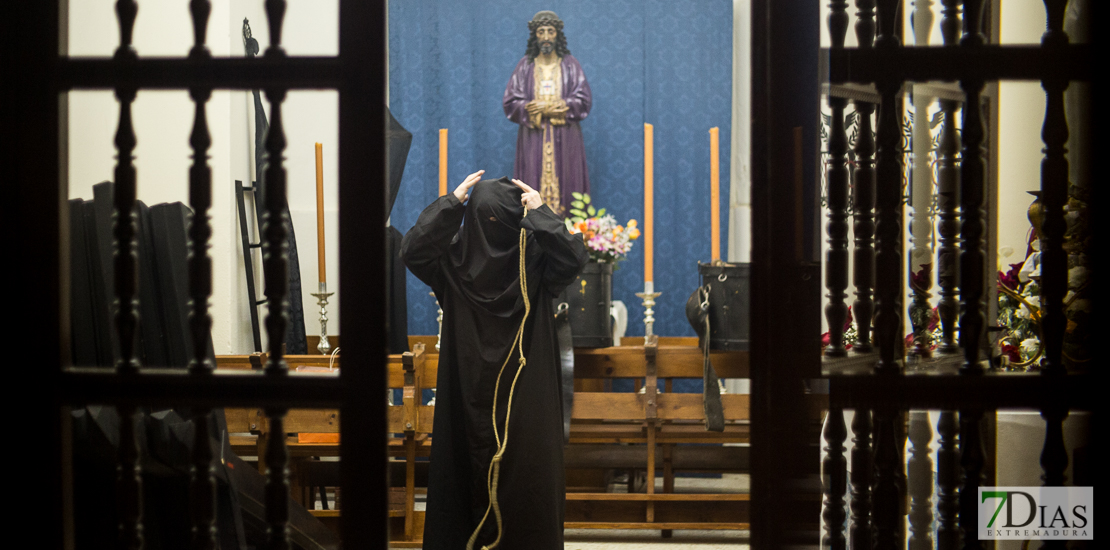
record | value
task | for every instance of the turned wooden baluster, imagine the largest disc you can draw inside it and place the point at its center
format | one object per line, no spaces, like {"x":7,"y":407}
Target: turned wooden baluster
{"x":888,"y":202}
{"x":275,"y":260}
{"x":1054,"y":457}
{"x":275,"y":16}
{"x":972,"y":187}
{"x":203,"y":471}
{"x":129,"y":483}
{"x":1054,"y":260}
{"x":836,"y":263}
{"x":861,"y":480}
{"x":200,"y":322}
{"x":275,"y":244}
{"x":863,"y":197}
{"x":126,"y":11}
{"x":948,"y":481}
{"x":277,"y":482}
{"x":1054,"y":194}
{"x":835,"y":469}
{"x":920,"y":482}
{"x":971,"y":462}
{"x":948,"y":192}
{"x":886,"y":509}
{"x":124,"y":263}
{"x":950,"y":22}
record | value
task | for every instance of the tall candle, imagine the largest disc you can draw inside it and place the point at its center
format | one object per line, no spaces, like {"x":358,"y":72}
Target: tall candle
{"x":715,"y":193}
{"x":649,"y":202}
{"x":320,"y":212}
{"x":442,"y":161}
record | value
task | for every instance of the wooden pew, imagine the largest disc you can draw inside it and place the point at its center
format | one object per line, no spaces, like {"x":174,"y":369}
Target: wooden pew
{"x":410,"y":423}
{"x":659,"y":425}
{"x":609,"y":430}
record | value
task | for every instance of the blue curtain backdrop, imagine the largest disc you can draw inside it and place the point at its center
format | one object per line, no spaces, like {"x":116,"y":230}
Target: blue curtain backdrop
{"x":665,"y":62}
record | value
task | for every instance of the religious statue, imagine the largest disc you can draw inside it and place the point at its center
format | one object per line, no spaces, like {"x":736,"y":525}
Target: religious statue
{"x":548,"y":96}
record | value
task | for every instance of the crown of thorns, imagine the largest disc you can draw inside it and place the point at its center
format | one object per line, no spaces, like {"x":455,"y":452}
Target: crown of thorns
{"x":545,"y":18}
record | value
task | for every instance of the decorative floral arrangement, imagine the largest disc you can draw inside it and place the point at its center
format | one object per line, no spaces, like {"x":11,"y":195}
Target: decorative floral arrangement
{"x":1019,"y":316}
{"x":607,"y":240}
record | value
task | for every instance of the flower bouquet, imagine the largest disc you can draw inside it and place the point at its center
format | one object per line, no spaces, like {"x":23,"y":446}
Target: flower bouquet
{"x":1019,"y":315}
{"x":607,"y":240}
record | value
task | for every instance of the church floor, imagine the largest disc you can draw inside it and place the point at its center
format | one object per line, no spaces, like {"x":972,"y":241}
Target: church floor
{"x":628,"y":539}
{"x":613,"y":539}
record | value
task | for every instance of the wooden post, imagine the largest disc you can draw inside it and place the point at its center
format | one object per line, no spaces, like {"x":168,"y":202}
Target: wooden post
{"x":835,"y":480}
{"x":651,"y":349}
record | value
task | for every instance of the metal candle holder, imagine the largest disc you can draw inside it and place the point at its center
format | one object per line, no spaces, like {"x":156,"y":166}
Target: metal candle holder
{"x":322,"y":299}
{"x":648,"y":296}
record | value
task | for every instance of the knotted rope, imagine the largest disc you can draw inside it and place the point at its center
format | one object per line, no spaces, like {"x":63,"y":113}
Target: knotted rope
{"x":502,"y":444}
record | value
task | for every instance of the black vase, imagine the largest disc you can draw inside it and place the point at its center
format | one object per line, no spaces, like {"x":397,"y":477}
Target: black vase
{"x":589,"y":298}
{"x":729,"y":299}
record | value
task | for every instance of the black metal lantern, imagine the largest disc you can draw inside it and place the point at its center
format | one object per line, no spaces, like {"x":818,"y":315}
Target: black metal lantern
{"x":589,"y":298}
{"x":729,"y":299}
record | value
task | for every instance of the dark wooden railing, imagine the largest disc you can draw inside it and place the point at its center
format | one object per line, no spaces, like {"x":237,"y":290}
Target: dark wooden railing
{"x":890,"y":400}
{"x":358,"y":74}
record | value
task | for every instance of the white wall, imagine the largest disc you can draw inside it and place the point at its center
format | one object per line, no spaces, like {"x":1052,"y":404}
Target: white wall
{"x":1020,"y":117}
{"x":164,"y":119}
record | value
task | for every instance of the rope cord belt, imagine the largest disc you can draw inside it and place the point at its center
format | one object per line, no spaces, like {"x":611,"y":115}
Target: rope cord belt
{"x":503,"y":443}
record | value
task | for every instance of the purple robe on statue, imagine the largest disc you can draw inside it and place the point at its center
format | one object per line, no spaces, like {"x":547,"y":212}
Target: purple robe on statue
{"x":569,"y":151}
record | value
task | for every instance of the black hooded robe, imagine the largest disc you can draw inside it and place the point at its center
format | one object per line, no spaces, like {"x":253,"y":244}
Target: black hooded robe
{"x":474,"y":273}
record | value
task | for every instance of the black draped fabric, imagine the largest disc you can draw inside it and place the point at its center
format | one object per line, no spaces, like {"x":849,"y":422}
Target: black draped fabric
{"x":398,"y":142}
{"x":296,"y":342}
{"x":398,"y":299}
{"x":474,"y":271}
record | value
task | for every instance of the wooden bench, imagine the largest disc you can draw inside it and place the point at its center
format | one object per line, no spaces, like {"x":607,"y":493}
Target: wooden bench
{"x":410,"y":423}
{"x":655,"y":430}
{"x":609,"y":430}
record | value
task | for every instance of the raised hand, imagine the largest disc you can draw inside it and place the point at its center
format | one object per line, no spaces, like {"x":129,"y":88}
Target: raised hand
{"x":462,"y":192}
{"x":531,"y":198}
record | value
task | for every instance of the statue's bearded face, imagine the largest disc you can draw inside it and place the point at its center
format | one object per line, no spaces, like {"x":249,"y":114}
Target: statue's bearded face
{"x":546,"y":36}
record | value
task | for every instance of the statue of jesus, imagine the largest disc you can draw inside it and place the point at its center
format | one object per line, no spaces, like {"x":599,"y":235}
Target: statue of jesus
{"x":548,"y":96}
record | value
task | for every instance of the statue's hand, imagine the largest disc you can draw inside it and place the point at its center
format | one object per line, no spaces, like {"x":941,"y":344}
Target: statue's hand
{"x":556,"y":108}
{"x":557,"y":112}
{"x":533,"y":107}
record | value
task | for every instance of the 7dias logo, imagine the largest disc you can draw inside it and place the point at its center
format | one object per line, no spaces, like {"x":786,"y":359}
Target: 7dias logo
{"x":1045,"y":513}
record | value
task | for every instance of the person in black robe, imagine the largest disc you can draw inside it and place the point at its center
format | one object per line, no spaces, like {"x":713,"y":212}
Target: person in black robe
{"x":475,"y":273}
